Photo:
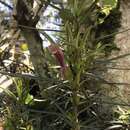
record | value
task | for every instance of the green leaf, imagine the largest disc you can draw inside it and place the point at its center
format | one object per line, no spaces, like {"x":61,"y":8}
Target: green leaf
{"x":68,"y":74}
{"x":9,"y":93}
{"x":29,"y":99}
{"x":111,"y":3}
{"x":66,"y":15}
{"x":24,"y":46}
{"x":18,"y":84}
{"x":69,"y":33}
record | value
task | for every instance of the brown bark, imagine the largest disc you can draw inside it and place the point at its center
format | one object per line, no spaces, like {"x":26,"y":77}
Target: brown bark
{"x":36,"y":52}
{"x":23,"y":15}
{"x":122,"y":75}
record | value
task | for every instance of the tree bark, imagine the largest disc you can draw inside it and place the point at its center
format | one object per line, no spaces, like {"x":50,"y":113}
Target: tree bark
{"x":122,"y":75}
{"x":36,"y":53}
{"x":23,"y":15}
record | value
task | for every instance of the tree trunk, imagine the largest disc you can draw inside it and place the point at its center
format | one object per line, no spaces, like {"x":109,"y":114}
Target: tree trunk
{"x":122,"y":75}
{"x":36,"y":53}
{"x":24,"y":19}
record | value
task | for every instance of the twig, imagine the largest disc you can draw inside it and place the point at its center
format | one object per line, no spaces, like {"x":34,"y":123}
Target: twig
{"x":105,"y":81}
{"x":7,"y":5}
{"x":113,"y":68}
{"x":28,"y":76}
{"x":38,"y":9}
{"x":114,"y":58}
{"x":39,"y":29}
{"x":116,"y":103}
{"x":53,"y":6}
{"x":112,"y":34}
{"x":98,"y":39}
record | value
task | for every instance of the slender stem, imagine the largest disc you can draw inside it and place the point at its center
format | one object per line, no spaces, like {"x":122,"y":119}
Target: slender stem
{"x":75,"y":108}
{"x":75,"y":100}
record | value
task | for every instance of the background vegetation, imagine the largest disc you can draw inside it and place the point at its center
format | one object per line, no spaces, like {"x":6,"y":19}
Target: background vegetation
{"x":61,"y":86}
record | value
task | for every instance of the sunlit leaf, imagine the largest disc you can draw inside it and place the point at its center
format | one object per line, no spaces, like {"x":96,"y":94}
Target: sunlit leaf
{"x":29,"y":99}
{"x":24,"y":46}
{"x":111,"y":3}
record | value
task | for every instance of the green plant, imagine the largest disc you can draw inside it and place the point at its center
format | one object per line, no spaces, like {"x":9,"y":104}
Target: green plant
{"x":15,"y":112}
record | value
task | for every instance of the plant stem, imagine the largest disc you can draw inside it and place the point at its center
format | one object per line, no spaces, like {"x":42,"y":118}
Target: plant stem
{"x":75,"y":108}
{"x":75,"y":100}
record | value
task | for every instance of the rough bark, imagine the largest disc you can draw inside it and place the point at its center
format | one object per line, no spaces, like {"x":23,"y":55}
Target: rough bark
{"x":24,"y":17}
{"x":122,"y":73}
{"x":36,"y":51}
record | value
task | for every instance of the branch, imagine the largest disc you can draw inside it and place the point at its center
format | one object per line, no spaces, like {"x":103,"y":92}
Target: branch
{"x":7,"y":5}
{"x":115,"y":58}
{"x":39,"y":29}
{"x":55,"y":7}
{"x":115,"y":103}
{"x":113,"y":68}
{"x":52,"y":5}
{"x":112,"y":34}
{"x":37,"y":10}
{"x":28,"y":76}
{"x":105,"y":81}
{"x":98,"y":39}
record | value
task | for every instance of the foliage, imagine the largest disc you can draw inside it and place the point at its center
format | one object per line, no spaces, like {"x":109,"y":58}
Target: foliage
{"x":16,"y":114}
{"x":70,"y":96}
{"x":109,"y":26}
